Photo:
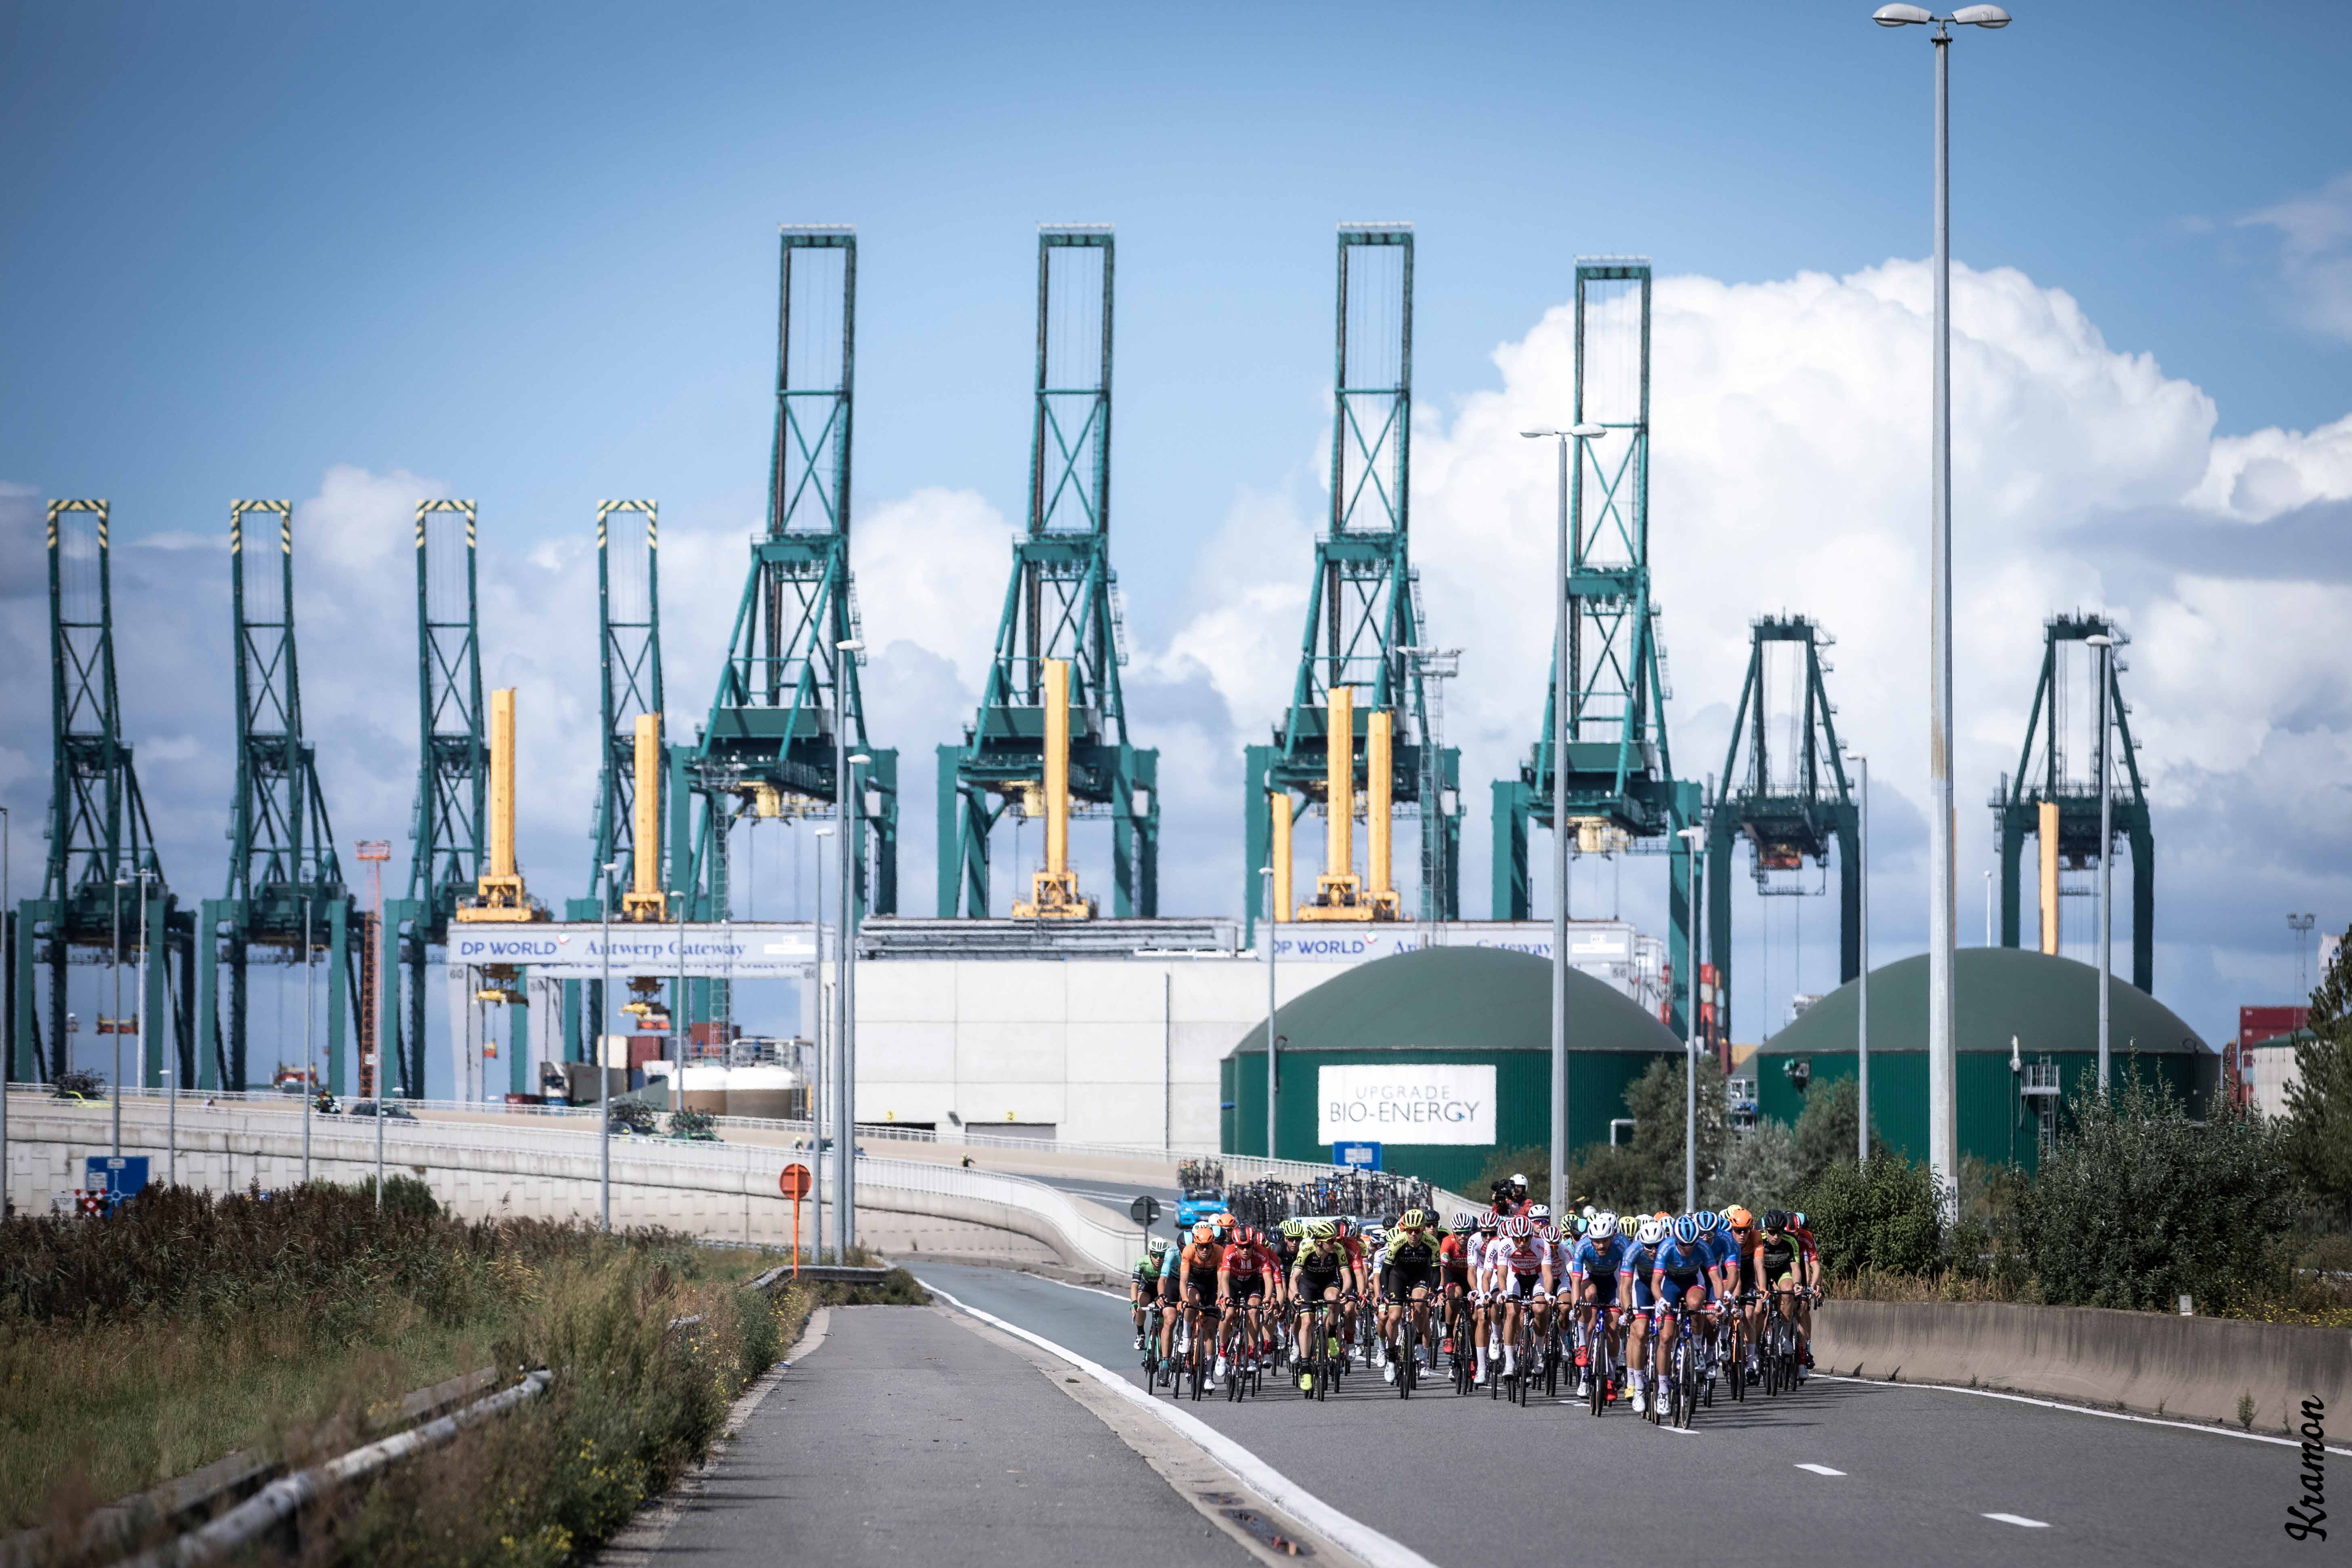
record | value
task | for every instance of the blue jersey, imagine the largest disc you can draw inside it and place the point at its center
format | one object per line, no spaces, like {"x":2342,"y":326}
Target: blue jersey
{"x":1719,"y":1244}
{"x":1686,"y":1263}
{"x":1602,"y":1258}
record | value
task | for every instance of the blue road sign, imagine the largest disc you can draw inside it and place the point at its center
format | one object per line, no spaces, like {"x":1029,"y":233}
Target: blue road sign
{"x":1357,"y":1156}
{"x":114,"y":1177}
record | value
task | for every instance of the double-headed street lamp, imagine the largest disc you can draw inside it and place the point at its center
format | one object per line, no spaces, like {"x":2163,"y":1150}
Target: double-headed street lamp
{"x":1695,"y":837}
{"x":2106,"y":654}
{"x":1861,"y":1015}
{"x":1943,"y":1063}
{"x":611,"y":869}
{"x":1560,"y":703}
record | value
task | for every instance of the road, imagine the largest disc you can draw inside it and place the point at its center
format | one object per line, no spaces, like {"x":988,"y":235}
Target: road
{"x":1919,"y":1473}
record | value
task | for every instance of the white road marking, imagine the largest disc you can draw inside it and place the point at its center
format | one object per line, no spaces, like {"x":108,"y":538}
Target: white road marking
{"x":1089,"y":1290}
{"x":2019,"y":1519}
{"x":1821,"y":1469}
{"x":1374,"y":1548}
{"x":1677,"y":1431}
{"x":2080,"y":1410}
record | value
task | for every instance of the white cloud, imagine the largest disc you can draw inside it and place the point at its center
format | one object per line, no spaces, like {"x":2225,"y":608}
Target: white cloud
{"x":2315,"y":253}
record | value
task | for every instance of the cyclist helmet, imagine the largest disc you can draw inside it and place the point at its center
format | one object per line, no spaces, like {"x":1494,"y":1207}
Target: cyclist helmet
{"x":1652,"y":1231}
{"x":1539,"y":1213}
{"x":1709,"y":1222}
{"x":1797,"y":1219}
{"x":1201,"y":1232}
{"x":1464,"y":1223}
{"x":1413,"y":1219}
{"x":1776,"y":1221}
{"x":1590,"y":1211}
{"x":1738,"y":1218}
{"x":1221,"y":1222}
{"x":1322,"y":1230}
{"x":1517,"y":1228}
{"x":1487,"y":1220}
{"x":1158,"y":1246}
{"x":1686,"y":1230}
{"x":1293,"y":1228}
{"x":1374,"y":1236}
{"x":1603,"y":1227}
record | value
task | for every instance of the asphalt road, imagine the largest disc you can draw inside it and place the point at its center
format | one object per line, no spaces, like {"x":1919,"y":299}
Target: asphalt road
{"x":1918,"y":1472}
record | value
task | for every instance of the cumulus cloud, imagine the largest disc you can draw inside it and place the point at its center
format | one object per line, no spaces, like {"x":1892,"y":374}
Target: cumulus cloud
{"x":1788,"y":468}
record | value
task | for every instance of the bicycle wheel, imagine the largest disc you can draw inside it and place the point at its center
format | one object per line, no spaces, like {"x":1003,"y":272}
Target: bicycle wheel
{"x":1596,"y":1365}
{"x":1691,"y":1380}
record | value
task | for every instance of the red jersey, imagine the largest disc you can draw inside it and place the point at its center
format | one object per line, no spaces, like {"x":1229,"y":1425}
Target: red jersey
{"x":1453,"y":1254}
{"x":1249,"y":1262}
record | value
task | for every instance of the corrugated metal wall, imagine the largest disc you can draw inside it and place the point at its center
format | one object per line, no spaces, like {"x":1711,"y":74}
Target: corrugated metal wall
{"x":1596,"y":1090}
{"x":1995,"y":1125}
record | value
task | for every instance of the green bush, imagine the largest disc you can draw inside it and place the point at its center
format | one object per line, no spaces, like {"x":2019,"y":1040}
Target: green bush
{"x":1760,"y":1171}
{"x":2138,"y":1206}
{"x":1884,"y":1217}
{"x":1830,"y":1128}
{"x":2318,"y":1121}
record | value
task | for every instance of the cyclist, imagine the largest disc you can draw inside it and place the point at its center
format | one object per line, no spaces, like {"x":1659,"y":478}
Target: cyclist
{"x":1787,"y":1267}
{"x":1593,"y":1269}
{"x":1809,"y":1256}
{"x":1241,"y":1285}
{"x":1143,"y":1283}
{"x":1288,"y":1236}
{"x":1518,"y":1275}
{"x":1723,"y":1279}
{"x":1200,"y":1268}
{"x":1319,"y":1273}
{"x":1408,"y":1269}
{"x":1482,"y":1296}
{"x":1682,"y":1271}
{"x":1640,"y":1265}
{"x":1747,"y":1281}
{"x":1454,"y":1273}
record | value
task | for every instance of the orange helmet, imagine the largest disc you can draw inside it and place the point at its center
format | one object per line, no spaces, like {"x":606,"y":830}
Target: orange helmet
{"x":1739,"y":1218}
{"x":1200,"y":1231}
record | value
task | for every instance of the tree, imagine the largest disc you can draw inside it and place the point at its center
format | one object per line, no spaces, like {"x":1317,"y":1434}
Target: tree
{"x":1760,"y":1171}
{"x":2136,"y":1206}
{"x":1885,"y":1217}
{"x":2318,"y":1121}
{"x":1831,"y":1126}
{"x":1646,"y":1172}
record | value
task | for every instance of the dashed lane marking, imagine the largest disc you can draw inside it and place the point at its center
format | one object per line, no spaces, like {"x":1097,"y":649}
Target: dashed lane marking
{"x":1821,"y":1469}
{"x":2020,"y":1521}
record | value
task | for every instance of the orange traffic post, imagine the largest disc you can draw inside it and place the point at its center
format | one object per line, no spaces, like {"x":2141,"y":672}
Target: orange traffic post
{"x":795,"y":1184}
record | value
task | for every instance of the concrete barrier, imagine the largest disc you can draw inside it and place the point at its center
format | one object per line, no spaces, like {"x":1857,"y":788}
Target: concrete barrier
{"x":2195,"y":1369}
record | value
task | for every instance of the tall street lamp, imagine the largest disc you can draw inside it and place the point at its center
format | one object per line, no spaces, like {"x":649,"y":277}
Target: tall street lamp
{"x":310,"y":1066}
{"x":1267,"y":872}
{"x":845,"y":1208}
{"x":8,"y":1049}
{"x":1565,"y":558}
{"x":115,"y":1028}
{"x":1861,"y":1024}
{"x":678,"y":1016}
{"x":604,"y":1073}
{"x":1695,"y":837}
{"x":1943,"y":1063}
{"x":2106,"y":654}
{"x":171,"y":1106}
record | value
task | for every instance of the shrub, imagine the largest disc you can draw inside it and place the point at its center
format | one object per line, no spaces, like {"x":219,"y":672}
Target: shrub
{"x":2318,"y":1121}
{"x":1762,"y":1171}
{"x":1886,"y":1217}
{"x":2138,"y":1206}
{"x":1830,"y":1128}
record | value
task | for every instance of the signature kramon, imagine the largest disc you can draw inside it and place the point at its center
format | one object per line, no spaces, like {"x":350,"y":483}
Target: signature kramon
{"x":2303,"y":1517}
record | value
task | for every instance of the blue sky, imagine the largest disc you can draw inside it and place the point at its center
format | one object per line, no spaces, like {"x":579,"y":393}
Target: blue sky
{"x":528,"y":253}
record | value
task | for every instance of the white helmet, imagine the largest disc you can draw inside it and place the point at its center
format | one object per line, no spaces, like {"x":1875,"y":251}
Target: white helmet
{"x":1541,"y":1211}
{"x":1604,"y":1226}
{"x":1652,"y":1231}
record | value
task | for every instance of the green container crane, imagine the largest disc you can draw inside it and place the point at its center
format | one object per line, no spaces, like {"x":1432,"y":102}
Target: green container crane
{"x":1791,"y":807}
{"x":101,"y":856}
{"x":447,"y":831}
{"x":768,"y":747}
{"x":1622,"y":790}
{"x":1061,"y":610}
{"x":1364,"y":633}
{"x":286,"y":885}
{"x":2044,"y":776}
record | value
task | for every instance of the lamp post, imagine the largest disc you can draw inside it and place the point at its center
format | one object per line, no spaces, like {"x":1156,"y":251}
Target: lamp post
{"x":170,"y":1109}
{"x":678,"y":1016}
{"x":115,"y":1028}
{"x":845,"y":1212}
{"x":611,"y":868}
{"x":310,"y":1070}
{"x":2106,"y":644}
{"x":827,"y":1037}
{"x":1861,"y":1023}
{"x":1267,"y":872}
{"x":1695,"y":837}
{"x":1564,"y":558}
{"x":1943,"y":1063}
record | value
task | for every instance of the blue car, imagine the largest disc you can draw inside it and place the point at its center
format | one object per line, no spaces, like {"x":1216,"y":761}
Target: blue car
{"x":1197,"y":1205}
